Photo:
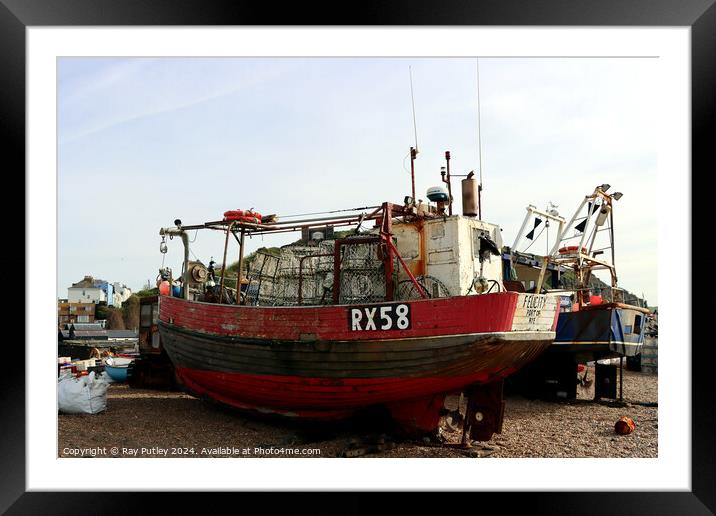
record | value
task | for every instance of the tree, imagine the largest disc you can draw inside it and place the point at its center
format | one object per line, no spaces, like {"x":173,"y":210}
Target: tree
{"x":100,"y":311}
{"x":130,"y":312}
{"x":114,"y":319}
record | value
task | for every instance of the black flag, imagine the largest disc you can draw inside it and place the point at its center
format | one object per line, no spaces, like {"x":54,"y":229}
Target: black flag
{"x":531,"y":234}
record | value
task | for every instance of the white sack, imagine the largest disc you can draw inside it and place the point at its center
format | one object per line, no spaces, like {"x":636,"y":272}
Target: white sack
{"x":103,"y":376}
{"x":83,"y":395}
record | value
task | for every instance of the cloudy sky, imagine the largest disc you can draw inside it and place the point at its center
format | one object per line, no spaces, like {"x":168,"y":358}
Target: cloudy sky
{"x":145,"y":141}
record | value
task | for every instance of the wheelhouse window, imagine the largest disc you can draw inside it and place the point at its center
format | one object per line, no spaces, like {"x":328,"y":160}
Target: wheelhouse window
{"x":145,"y":316}
{"x":637,"y":324}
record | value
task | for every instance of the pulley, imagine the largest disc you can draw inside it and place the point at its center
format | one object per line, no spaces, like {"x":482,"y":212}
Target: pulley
{"x":199,"y":273}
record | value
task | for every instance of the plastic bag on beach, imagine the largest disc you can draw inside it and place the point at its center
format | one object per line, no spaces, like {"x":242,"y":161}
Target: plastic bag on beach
{"x":103,"y":376}
{"x":83,"y":395}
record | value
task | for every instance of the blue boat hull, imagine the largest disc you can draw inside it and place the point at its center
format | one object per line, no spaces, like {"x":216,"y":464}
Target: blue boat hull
{"x":600,"y":333}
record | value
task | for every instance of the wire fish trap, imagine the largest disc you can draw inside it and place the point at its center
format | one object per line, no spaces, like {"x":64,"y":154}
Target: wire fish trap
{"x":362,"y":272}
{"x":262,"y":278}
{"x":362,"y":286}
{"x":304,"y":275}
{"x":432,"y":286}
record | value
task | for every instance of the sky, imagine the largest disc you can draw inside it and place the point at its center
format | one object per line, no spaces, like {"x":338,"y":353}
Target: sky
{"x":143,"y":141}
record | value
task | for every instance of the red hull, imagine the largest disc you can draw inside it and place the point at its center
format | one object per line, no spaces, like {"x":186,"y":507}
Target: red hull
{"x":317,"y":362}
{"x":430,"y":317}
{"x":316,"y":397}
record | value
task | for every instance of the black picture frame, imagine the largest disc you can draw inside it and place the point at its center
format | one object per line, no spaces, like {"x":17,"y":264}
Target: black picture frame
{"x":17,"y":15}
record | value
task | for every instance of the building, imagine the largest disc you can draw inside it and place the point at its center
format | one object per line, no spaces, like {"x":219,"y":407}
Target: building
{"x":68,"y":313}
{"x":121,"y":294}
{"x":77,"y":340}
{"x":91,"y":290}
{"x":123,"y":337}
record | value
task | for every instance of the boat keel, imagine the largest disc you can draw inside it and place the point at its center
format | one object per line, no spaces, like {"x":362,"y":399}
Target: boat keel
{"x":418,"y":416}
{"x":483,"y":418}
{"x":485,"y":411}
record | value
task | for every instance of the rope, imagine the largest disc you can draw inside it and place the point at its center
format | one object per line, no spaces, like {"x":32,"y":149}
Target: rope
{"x":328,"y":212}
{"x":534,"y":239}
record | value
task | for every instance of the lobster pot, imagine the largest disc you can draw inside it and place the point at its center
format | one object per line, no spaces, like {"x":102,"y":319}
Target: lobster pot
{"x":303,"y":275}
{"x":362,"y":286}
{"x":649,"y":355}
{"x":362,"y":274}
{"x":262,"y":280}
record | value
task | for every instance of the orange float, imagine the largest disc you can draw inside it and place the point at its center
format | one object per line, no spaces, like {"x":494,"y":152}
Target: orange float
{"x":625,"y":425}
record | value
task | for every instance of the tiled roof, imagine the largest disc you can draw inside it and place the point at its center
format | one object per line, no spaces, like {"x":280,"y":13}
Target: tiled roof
{"x":85,"y":283}
{"x":122,"y":334}
{"x":87,"y":326}
{"x":89,"y":282}
{"x":89,"y":334}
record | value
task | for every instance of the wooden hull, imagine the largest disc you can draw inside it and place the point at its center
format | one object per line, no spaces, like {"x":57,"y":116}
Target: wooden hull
{"x":318,"y":362}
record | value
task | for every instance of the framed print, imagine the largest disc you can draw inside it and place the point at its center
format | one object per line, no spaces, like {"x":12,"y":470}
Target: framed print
{"x":141,"y":123}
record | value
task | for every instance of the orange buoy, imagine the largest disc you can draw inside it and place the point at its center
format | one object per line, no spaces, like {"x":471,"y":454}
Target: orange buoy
{"x":624,"y":426}
{"x":164,"y":288}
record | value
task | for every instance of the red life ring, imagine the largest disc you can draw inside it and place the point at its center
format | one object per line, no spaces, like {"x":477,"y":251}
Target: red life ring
{"x":233,"y":214}
{"x":243,"y":216}
{"x":572,"y":249}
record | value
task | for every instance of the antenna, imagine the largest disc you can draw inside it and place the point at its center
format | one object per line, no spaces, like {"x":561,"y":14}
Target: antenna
{"x":479,"y":138}
{"x":412,"y":97}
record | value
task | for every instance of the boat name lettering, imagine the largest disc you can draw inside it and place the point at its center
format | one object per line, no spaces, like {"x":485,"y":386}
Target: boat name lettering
{"x":381,"y":317}
{"x":533,"y":301}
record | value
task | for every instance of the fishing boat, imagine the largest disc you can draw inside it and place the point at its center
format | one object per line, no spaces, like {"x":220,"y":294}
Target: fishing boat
{"x":592,"y":325}
{"x":402,"y":311}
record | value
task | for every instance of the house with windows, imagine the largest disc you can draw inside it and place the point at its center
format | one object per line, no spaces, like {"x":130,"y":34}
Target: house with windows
{"x":68,"y":313}
{"x":91,"y":290}
{"x":121,"y":293}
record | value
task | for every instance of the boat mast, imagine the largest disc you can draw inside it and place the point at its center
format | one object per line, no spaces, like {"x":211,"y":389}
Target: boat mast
{"x":413,"y":150}
{"x":479,"y":142}
{"x":449,"y":186}
{"x":413,"y":155}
